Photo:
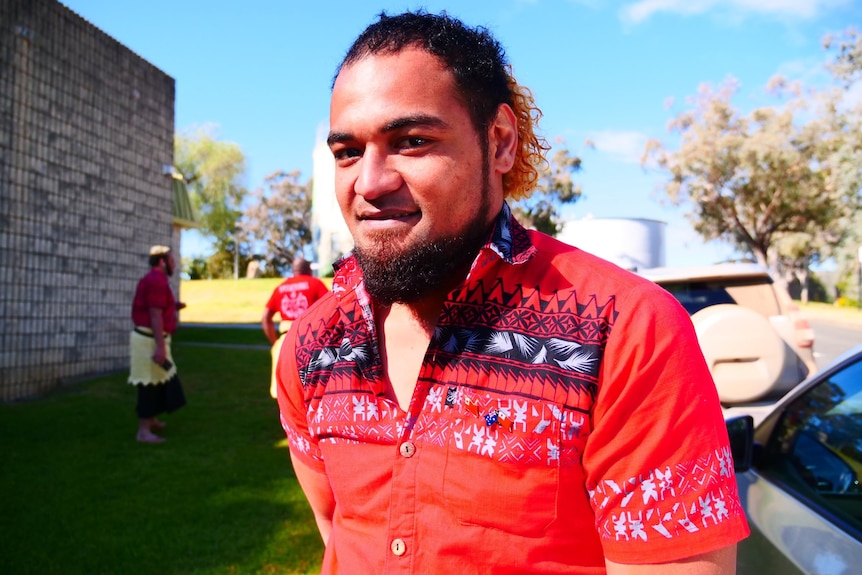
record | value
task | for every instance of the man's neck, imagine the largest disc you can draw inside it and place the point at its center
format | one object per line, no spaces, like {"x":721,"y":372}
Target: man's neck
{"x":403,"y":334}
{"x":423,"y":314}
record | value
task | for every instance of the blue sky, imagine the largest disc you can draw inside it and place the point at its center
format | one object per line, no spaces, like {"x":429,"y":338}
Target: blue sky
{"x":613,"y":72}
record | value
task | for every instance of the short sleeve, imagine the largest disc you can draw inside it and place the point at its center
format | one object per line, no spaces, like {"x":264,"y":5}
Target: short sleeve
{"x":273,"y":303}
{"x":659,"y":469}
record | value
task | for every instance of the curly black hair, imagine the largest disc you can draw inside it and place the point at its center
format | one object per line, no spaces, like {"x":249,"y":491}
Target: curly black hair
{"x":482,"y":76}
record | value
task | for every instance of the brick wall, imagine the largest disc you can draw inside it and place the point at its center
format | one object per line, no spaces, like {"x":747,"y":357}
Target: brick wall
{"x":86,"y":126}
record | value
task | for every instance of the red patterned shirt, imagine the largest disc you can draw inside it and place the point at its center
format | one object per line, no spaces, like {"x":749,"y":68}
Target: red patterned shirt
{"x":295,"y":295}
{"x":563,"y":413}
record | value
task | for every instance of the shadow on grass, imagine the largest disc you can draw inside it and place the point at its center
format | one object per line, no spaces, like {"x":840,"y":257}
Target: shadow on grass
{"x":80,"y":496}
{"x":241,"y":336}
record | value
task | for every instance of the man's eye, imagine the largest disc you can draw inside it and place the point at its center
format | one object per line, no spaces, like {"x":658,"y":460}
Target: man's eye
{"x":414,"y":142}
{"x":346,"y":153}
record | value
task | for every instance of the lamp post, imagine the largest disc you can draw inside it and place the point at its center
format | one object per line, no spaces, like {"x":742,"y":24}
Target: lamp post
{"x":236,"y":252}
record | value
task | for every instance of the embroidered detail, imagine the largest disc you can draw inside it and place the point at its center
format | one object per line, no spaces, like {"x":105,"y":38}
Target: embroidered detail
{"x":663,"y":501}
{"x":496,"y":416}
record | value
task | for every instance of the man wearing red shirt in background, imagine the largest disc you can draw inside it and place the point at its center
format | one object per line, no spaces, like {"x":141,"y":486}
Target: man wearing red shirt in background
{"x":472,"y":396}
{"x":154,"y":315}
{"x":290,"y":300}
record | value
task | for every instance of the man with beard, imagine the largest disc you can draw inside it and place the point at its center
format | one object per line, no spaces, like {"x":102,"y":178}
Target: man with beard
{"x":154,"y":315}
{"x":474,"y":397}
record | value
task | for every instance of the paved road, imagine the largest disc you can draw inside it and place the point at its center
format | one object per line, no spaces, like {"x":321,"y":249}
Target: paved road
{"x":831,"y":339}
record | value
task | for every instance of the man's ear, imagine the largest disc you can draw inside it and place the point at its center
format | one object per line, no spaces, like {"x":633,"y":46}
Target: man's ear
{"x":503,"y":140}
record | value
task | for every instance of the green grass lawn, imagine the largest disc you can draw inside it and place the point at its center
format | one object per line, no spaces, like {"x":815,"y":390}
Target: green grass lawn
{"x":80,"y":496}
{"x":226,"y":301}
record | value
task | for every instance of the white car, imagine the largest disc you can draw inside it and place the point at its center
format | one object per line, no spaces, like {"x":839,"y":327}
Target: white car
{"x":755,"y":339}
{"x":799,"y":473}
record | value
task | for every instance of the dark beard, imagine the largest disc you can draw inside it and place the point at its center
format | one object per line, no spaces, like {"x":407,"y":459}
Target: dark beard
{"x":422,"y":269}
{"x":407,"y":276}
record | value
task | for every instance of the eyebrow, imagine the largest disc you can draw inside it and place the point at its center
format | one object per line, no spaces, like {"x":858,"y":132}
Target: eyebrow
{"x":424,"y":120}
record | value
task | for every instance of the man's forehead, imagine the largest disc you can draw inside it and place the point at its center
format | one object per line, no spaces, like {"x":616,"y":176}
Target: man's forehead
{"x":392,"y":92}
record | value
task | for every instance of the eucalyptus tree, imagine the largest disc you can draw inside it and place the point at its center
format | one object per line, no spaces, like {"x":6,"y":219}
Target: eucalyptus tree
{"x":277,"y":220}
{"x":780,"y":182}
{"x":555,"y":187}
{"x":214,"y":172}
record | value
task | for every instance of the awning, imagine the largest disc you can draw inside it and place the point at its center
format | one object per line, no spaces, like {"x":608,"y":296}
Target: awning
{"x":184,"y":216}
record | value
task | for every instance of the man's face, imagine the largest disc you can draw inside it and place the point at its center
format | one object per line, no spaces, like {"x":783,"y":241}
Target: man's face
{"x":411,"y":177}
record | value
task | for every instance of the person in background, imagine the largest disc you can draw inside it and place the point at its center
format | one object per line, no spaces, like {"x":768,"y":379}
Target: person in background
{"x":473,"y":396}
{"x":155,"y":318}
{"x":290,"y":300}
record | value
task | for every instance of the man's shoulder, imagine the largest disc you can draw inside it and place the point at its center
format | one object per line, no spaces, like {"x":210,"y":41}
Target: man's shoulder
{"x":584,"y":268}
{"x":324,"y":313}
{"x":558,"y":253}
{"x":154,"y":277}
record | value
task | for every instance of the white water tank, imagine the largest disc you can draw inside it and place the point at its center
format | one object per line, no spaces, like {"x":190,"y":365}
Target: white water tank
{"x":631,"y":243}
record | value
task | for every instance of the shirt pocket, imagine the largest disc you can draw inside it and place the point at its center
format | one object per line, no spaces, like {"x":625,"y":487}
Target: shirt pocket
{"x":505,"y":477}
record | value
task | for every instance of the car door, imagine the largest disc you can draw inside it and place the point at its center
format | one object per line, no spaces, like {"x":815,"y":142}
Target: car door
{"x":803,"y":495}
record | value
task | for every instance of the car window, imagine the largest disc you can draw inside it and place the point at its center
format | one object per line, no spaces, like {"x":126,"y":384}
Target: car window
{"x":694,"y":296}
{"x":816,"y":448}
{"x":760,"y":297}
{"x":756,"y":294}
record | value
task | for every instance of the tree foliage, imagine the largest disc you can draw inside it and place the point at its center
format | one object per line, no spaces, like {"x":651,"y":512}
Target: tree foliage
{"x":847,"y":69}
{"x":554,"y":188}
{"x":213,"y":171}
{"x":278,"y":220}
{"x":781,"y":183}
{"x":847,"y":63}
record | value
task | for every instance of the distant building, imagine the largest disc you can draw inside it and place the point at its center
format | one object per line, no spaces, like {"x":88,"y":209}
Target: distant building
{"x":86,"y":186}
{"x":330,"y":234}
{"x":631,"y":243}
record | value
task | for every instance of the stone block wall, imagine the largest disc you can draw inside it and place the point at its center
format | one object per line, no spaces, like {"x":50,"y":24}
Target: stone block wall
{"x":86,"y":130}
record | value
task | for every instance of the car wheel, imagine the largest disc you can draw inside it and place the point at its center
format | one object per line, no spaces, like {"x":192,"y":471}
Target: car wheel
{"x":745,"y":354}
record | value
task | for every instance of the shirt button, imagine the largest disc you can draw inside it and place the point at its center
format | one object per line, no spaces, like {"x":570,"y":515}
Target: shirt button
{"x":407,"y":449}
{"x":398,"y":547}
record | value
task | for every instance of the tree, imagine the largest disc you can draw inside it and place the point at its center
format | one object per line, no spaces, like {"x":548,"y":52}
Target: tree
{"x":754,"y":179}
{"x":846,"y":67}
{"x":555,"y":187}
{"x":213,"y":171}
{"x":279,"y":220}
{"x":196,"y":268}
{"x":846,"y":257}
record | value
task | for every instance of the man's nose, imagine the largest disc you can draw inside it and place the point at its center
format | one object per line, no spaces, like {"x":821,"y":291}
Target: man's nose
{"x":377,"y":174}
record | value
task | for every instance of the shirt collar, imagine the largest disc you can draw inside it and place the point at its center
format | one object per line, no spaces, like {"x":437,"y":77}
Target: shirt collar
{"x":509,"y":240}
